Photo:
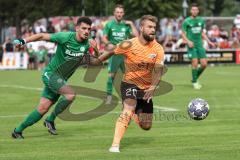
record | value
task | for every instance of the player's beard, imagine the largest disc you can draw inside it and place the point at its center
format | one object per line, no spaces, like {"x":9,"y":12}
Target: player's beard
{"x":147,"y":37}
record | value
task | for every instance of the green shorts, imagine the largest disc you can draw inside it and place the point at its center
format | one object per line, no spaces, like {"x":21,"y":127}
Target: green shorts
{"x":52,"y":82}
{"x":196,"y":52}
{"x":116,"y":62}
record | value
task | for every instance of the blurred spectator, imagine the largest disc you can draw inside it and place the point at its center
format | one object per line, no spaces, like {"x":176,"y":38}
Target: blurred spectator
{"x":71,"y":25}
{"x":224,"y":44}
{"x":31,"y":57}
{"x":214,"y":32}
{"x":176,"y":33}
{"x":236,"y":21}
{"x":39,"y":28}
{"x":28,"y":32}
{"x":41,"y":57}
{"x":51,"y":49}
{"x":235,"y":44}
{"x":1,"y":54}
{"x":235,"y":32}
{"x":50,"y":28}
{"x":8,"y":46}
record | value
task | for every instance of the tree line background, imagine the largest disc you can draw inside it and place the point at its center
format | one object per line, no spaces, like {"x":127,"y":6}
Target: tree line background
{"x":13,"y":12}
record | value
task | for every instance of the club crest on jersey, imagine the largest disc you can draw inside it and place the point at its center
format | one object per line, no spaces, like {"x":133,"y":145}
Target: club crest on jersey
{"x":82,"y":49}
{"x":152,"y":55}
{"x":123,"y":29}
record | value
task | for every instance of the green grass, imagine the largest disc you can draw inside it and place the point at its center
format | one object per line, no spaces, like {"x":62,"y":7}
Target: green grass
{"x":172,"y":137}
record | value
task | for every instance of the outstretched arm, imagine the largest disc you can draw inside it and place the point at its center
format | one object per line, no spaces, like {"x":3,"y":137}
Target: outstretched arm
{"x":99,"y":60}
{"x":33,"y":38}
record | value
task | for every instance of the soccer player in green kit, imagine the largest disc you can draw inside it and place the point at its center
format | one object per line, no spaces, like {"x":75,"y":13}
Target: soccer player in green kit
{"x":192,"y":33}
{"x":115,"y":32}
{"x":72,"y":51}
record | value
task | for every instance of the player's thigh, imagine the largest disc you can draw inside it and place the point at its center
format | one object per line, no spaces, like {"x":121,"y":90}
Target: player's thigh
{"x":47,"y":93}
{"x":192,"y":53}
{"x":201,"y":52}
{"x":144,"y":110}
{"x":55,"y":86}
{"x":129,"y":95}
{"x":68,"y":92}
{"x":53,"y":81}
{"x":145,"y":120}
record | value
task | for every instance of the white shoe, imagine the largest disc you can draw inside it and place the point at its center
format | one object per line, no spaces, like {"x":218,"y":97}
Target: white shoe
{"x":108,"y":99}
{"x":196,"y":85}
{"x":114,"y":149}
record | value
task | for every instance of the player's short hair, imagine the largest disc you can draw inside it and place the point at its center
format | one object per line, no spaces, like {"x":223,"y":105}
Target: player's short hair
{"x":194,"y":5}
{"x":119,"y":6}
{"x":148,"y":17}
{"x":84,"y":20}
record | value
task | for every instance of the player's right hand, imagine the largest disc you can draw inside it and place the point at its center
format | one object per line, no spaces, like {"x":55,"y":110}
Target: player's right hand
{"x":19,"y":42}
{"x":110,"y":47}
{"x":190,"y":44}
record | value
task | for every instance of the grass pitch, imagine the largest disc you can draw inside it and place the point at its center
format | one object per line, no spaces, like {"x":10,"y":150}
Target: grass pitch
{"x":173,"y":135}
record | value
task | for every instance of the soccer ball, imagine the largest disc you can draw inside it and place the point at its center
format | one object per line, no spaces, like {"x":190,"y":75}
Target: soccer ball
{"x":198,"y":109}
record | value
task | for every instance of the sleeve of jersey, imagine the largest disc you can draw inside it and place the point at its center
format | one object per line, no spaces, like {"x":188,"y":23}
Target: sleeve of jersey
{"x":122,"y":48}
{"x":59,"y":37}
{"x":204,"y":24}
{"x":184,"y":26}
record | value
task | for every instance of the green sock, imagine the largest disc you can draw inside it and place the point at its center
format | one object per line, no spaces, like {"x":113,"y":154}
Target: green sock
{"x":32,"y":118}
{"x":109,"y":85}
{"x":200,"y":70}
{"x":194,"y":75}
{"x":61,"y":105}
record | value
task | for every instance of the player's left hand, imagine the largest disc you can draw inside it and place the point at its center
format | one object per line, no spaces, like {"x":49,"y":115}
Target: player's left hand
{"x":148,"y":94}
{"x":93,"y":43}
{"x":127,"y":22}
{"x":19,"y":43}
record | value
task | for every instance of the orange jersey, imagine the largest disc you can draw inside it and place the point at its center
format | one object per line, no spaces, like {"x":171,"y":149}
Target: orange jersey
{"x":140,"y":60}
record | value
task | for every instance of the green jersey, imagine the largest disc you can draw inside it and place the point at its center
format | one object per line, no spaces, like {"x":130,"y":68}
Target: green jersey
{"x":117,"y":31}
{"x":69,"y":55}
{"x":193,"y":27}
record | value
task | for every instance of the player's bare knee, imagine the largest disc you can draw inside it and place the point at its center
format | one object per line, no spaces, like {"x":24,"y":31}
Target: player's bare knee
{"x":129,"y":103}
{"x":204,"y":65}
{"x":42,"y":109}
{"x":146,"y":126}
{"x":70,"y":97}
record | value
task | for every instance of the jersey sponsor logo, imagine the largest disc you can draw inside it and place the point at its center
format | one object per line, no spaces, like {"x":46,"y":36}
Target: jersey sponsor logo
{"x":74,"y":54}
{"x":118,"y":34}
{"x":196,"y":30}
{"x":152,"y":55}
